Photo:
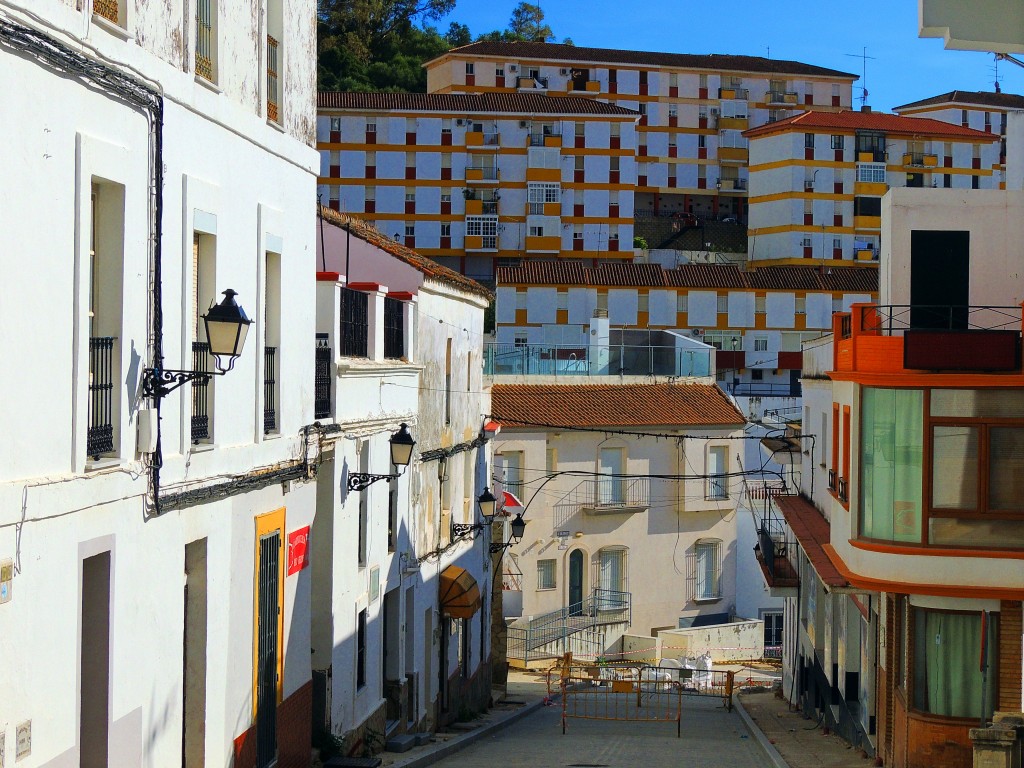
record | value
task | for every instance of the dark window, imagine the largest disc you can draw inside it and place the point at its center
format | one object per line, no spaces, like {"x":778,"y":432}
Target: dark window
{"x":392,"y":514}
{"x":200,"y":392}
{"x":354,"y":323}
{"x":837,"y":142}
{"x":394,"y":329}
{"x":873,"y":142}
{"x":947,"y":180}
{"x":269,"y":390}
{"x":975,"y":182}
{"x":809,"y":141}
{"x":322,"y":377}
{"x":361,"y":650}
{"x":867,"y":206}
{"x":100,"y":437}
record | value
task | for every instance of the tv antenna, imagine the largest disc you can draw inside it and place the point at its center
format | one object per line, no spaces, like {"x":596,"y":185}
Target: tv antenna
{"x":997,"y":77}
{"x":863,"y":56}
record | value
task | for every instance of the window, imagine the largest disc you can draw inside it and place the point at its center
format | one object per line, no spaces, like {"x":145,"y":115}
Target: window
{"x":446,"y":199}
{"x":616,"y":130}
{"x":964,"y":118}
{"x":614,"y":164}
{"x":723,"y":304}
{"x":760,"y":344}
{"x":703,"y":82}
{"x":611,"y":489}
{"x":808,"y":141}
{"x":837,"y":243}
{"x":872,"y":173}
{"x":756,"y":374}
{"x":371,"y":126}
{"x":837,"y":141}
{"x":682,"y":302}
{"x":801,"y":305}
{"x":361,"y":649}
{"x":867,"y":206}
{"x":410,"y":230}
{"x":546,"y":574}
{"x":272,"y":340}
{"x":446,"y":126}
{"x":760,"y":307}
{"x":206,"y":40}
{"x":704,"y":570}
{"x":446,"y":230}
{"x":469,"y":68}
{"x":546,"y":192}
{"x":578,"y":163}
{"x":946,"y":676}
{"x":447,"y":383}
{"x":611,"y":563}
{"x":805,"y":242}
{"x":702,"y":141}
{"x":499,"y":73}
{"x":717,"y":483}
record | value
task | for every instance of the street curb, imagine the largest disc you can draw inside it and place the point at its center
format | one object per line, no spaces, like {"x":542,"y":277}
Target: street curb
{"x":454,"y":745}
{"x":773,"y":754}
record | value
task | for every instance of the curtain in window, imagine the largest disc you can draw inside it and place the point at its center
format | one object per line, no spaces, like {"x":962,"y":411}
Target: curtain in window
{"x":892,"y":435}
{"x":947,"y":649}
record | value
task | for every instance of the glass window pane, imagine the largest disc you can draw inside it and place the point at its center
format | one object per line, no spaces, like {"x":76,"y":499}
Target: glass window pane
{"x":892,"y":444}
{"x":955,"y":467}
{"x":1006,"y":469}
{"x":1001,"y":403}
{"x":947,"y":646}
{"x":975,"y":532}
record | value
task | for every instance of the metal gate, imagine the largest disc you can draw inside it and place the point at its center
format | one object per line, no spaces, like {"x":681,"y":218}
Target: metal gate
{"x":268,"y":608}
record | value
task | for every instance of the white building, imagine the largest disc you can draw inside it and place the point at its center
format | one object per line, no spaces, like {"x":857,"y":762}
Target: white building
{"x":161,"y":155}
{"x":400,"y":633}
{"x":603,"y":529}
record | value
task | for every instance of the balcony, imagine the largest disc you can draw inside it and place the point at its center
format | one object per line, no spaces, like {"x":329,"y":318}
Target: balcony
{"x":897,"y":339}
{"x":354,"y":330}
{"x":482,"y":140}
{"x":322,"y":378}
{"x":481,"y":242}
{"x":543,"y":244}
{"x":269,"y":390}
{"x":870,"y":156}
{"x":734,"y":123}
{"x":731,"y":185}
{"x":482,"y":174}
{"x":530,"y":82}
{"x":772,"y":553}
{"x":781,"y":97}
{"x":867,"y":222}
{"x":594,"y":360}
{"x":920,"y":160}
{"x":100,"y":435}
{"x":479,"y":206}
{"x":732,"y":155}
{"x":608,"y":496}
{"x":866,"y":254}
{"x":544,"y":209}
{"x":544,"y":139}
{"x":733,"y":93}
{"x":589,"y":86}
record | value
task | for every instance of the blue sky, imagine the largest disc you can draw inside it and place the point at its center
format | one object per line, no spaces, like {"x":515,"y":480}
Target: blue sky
{"x":905,"y":68}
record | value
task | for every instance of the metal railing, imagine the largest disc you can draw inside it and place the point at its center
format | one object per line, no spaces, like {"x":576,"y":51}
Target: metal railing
{"x":843,"y":491}
{"x":920,"y":158}
{"x":760,"y":389}
{"x":200,"y":393}
{"x":322,"y":378}
{"x":204,"y":39}
{"x":537,"y":139}
{"x":489,"y":207}
{"x":596,"y":360}
{"x":489,"y":242}
{"x":891,"y":319}
{"x":354,"y":323}
{"x":106,"y":9}
{"x":528,"y":81}
{"x":487,"y":172}
{"x":609,"y":493}
{"x":490,"y":139}
{"x":552,"y":633}
{"x":269,"y":390}
{"x":832,"y":480}
{"x":394,"y":329}
{"x":100,"y":435}
{"x":272,"y":80}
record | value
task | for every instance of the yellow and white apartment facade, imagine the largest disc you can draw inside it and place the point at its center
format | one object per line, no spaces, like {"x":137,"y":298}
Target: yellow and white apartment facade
{"x":478,"y":180}
{"x":691,"y":152}
{"x":817,"y":180}
{"x":756,"y":320}
{"x":981,"y":110}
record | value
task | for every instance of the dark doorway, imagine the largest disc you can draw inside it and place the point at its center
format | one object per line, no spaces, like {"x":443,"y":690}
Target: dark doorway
{"x":939,"y":279}
{"x":266,"y":649}
{"x":794,"y":382}
{"x":576,"y":582}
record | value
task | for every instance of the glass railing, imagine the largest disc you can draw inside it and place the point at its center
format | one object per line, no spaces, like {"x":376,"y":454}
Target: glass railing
{"x":595,"y":360}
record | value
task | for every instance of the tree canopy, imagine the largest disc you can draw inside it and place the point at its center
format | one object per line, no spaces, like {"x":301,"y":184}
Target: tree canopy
{"x":381,"y":45}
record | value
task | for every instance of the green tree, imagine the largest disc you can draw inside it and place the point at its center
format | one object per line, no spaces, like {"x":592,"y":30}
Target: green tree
{"x":458,"y":35}
{"x":527,"y":23}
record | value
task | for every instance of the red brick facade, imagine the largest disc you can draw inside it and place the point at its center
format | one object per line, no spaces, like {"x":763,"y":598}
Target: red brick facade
{"x":294,"y":716}
{"x":1010,"y":634}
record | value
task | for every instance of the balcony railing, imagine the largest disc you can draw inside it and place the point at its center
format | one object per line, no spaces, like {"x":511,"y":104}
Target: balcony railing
{"x":842,"y":490}
{"x":537,"y":139}
{"x":609,"y":494}
{"x":487,"y":173}
{"x":269,"y":390}
{"x":596,"y":360}
{"x":107,"y":9}
{"x":489,"y":242}
{"x":272,"y":81}
{"x":489,"y":139}
{"x":832,"y":485}
{"x":766,"y":389}
{"x":528,"y":81}
{"x":489,"y":208}
{"x":921,"y":159}
{"x":100,"y":436}
{"x":782,"y":97}
{"x":322,"y":378}
{"x":204,"y":39}
{"x":354,"y":323}
{"x":394,"y":329}
{"x":717,"y":488}
{"x":200,"y":393}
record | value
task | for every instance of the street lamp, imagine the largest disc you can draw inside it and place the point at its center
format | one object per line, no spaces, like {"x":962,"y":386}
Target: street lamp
{"x":226,"y":328}
{"x":518,"y":526}
{"x":401,"y":454}
{"x":486,"y":502}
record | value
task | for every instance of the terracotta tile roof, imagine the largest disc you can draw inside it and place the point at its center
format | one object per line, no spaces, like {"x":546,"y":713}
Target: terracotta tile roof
{"x":870,"y":121}
{"x":813,"y":531}
{"x":469,"y":103}
{"x":706,"y":276}
{"x":613,"y":405}
{"x":977,"y":98}
{"x":428,"y":267}
{"x":694,"y":276}
{"x":716,"y":61}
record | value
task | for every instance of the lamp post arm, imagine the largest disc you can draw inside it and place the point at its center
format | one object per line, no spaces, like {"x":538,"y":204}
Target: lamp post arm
{"x":158,"y":382}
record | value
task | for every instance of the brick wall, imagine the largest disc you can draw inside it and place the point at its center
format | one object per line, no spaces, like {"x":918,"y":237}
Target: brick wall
{"x":294,"y":716}
{"x":1011,"y":633}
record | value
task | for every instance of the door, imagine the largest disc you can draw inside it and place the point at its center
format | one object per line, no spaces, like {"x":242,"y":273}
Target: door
{"x":939,"y":279}
{"x":576,"y":582}
{"x":266,"y":652}
{"x":610,"y":489}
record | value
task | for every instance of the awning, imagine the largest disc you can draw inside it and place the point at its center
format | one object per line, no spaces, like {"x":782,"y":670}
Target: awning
{"x":460,"y":596}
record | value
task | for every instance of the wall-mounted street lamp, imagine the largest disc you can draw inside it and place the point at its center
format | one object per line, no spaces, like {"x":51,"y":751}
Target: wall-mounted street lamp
{"x":518,"y":526}
{"x":226,"y":327}
{"x":401,"y":454}
{"x":487,"y":503}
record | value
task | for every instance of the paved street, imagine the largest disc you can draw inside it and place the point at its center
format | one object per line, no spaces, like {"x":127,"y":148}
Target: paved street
{"x":711,"y":737}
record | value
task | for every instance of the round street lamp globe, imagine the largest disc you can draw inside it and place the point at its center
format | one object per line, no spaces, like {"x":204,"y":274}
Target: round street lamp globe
{"x":226,"y":326}
{"x":401,"y":447}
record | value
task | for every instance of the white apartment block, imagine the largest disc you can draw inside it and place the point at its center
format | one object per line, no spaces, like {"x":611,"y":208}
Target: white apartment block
{"x":817,"y":180}
{"x":477,"y":181}
{"x":691,"y":153}
{"x":162,"y":154}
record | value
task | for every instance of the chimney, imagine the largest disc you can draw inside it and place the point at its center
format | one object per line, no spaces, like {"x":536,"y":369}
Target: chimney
{"x":865,"y":109}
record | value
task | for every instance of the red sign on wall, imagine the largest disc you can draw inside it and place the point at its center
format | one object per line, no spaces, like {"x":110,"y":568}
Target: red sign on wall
{"x":298,"y":550}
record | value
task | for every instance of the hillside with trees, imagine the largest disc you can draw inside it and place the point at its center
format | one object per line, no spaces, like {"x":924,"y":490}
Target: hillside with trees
{"x":381,"y":45}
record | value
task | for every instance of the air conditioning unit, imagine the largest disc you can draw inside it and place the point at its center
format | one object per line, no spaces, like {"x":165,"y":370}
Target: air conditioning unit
{"x":563,"y":71}
{"x":808,"y":184}
{"x":696,"y":332}
{"x":714,"y":111}
{"x":523,"y":123}
{"x":513,"y":68}
{"x":460,"y":121}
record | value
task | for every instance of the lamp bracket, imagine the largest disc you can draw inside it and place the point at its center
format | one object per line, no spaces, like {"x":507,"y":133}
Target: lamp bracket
{"x":360,"y":481}
{"x":461,"y":529}
{"x":159,"y":382}
{"x":497,"y":547}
